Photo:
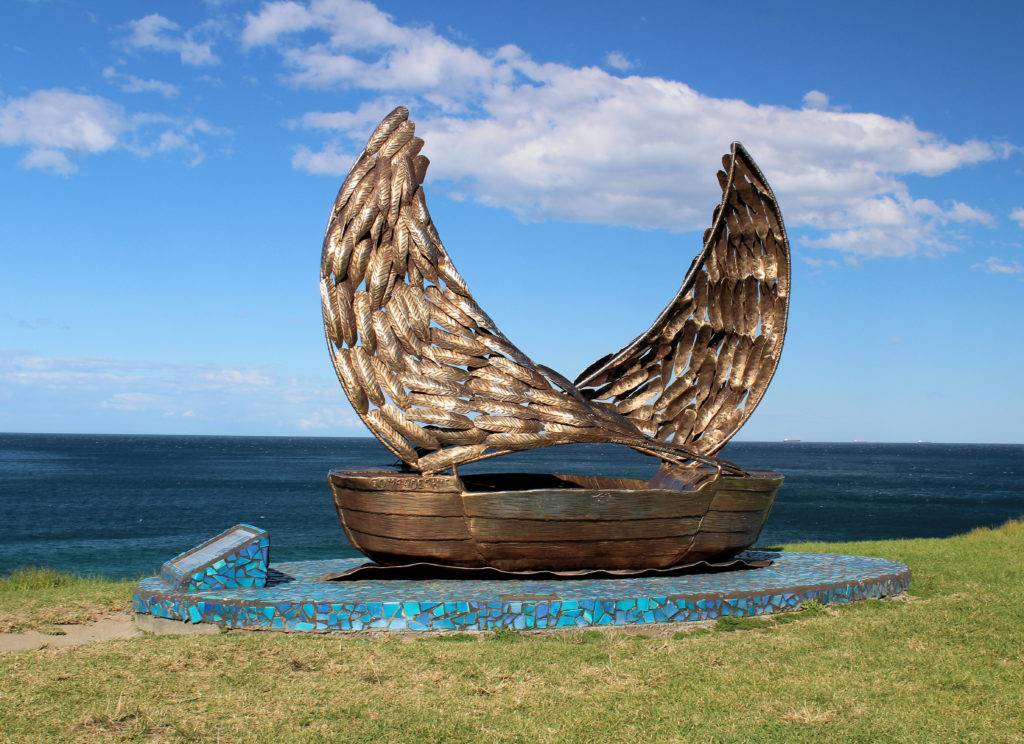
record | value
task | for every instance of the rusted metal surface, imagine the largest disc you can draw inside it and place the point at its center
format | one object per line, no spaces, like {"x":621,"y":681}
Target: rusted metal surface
{"x":529,"y":522}
{"x":439,"y":385}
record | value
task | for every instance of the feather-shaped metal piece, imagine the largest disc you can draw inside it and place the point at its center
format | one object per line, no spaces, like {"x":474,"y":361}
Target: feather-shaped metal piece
{"x":437,"y":382}
{"x":727,"y":322}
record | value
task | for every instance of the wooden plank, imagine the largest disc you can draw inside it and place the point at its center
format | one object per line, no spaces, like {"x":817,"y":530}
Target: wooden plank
{"x":725,"y":540}
{"x":391,"y":550}
{"x":514,"y":530}
{"x":390,"y":502}
{"x":557,"y":552}
{"x":565,"y":505}
{"x":759,"y":481}
{"x":732,"y":500}
{"x":731,"y":521}
{"x":404,"y":527}
{"x":530,"y":560}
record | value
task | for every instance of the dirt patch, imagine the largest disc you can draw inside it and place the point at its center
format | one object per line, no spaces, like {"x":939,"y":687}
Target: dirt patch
{"x":71,"y":635}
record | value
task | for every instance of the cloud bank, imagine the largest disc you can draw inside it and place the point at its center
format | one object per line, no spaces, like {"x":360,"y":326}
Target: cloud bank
{"x":582,"y":144}
{"x":58,"y":126}
{"x":117,"y":388}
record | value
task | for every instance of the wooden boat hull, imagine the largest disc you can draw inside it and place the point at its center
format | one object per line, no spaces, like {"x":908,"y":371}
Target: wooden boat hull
{"x":528,"y":522}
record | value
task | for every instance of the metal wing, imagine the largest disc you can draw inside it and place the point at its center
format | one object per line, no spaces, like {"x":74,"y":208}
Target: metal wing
{"x":697,"y":374}
{"x":425,"y":368}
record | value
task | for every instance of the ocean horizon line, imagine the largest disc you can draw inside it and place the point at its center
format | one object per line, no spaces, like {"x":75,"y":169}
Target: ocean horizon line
{"x":367,"y":436}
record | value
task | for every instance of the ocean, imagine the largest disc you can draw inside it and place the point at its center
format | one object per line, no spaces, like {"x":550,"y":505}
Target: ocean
{"x":121,"y":505}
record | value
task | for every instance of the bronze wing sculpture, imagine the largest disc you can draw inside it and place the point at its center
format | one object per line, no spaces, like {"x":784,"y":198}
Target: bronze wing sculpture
{"x":437,"y":382}
{"x":695,"y":376}
{"x":439,"y":385}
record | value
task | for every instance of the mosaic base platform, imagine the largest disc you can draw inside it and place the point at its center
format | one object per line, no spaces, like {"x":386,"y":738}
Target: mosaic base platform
{"x":295,"y":599}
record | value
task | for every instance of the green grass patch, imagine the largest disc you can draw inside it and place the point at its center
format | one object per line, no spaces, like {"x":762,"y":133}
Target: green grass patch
{"x":945,"y":665}
{"x":33,"y":578}
{"x":731,"y":623}
{"x":807,"y":610}
{"x":40,"y":598}
{"x":457,"y":638}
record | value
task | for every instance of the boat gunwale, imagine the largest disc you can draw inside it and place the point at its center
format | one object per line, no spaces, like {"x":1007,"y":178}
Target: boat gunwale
{"x":768,"y":479}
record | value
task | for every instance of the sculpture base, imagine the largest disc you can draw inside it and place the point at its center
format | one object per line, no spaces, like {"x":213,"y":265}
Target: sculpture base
{"x":297,"y":599}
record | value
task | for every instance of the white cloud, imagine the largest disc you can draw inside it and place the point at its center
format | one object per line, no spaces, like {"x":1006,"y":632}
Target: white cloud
{"x":129,"y":401}
{"x":352,"y":23}
{"x":1017,"y":215}
{"x":326,"y":162}
{"x":253,"y":377}
{"x":326,"y":418}
{"x":274,"y":20}
{"x":57,"y":124}
{"x":132,"y":84}
{"x":408,"y":58}
{"x":552,"y":141}
{"x":366,"y":115}
{"x":896,"y":225}
{"x":60,"y":119}
{"x":171,"y":141}
{"x":164,"y":35}
{"x":993,"y":265}
{"x":182,"y":136}
{"x":51,"y":160}
{"x":815,"y":99}
{"x":820,"y":263}
{"x":960,"y":212}
{"x":619,"y":61}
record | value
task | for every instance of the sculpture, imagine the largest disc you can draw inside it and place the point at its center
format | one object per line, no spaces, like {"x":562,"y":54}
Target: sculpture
{"x":440,"y":386}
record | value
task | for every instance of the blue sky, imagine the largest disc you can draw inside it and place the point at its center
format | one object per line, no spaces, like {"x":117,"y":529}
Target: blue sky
{"x":167,"y":171}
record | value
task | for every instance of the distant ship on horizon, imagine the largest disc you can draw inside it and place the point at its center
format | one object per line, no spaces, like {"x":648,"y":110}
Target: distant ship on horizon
{"x":860,"y":441}
{"x":791,"y":441}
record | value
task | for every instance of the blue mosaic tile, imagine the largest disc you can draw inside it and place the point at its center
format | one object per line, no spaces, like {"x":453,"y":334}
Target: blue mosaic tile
{"x":237,"y":558}
{"x":297,"y":600}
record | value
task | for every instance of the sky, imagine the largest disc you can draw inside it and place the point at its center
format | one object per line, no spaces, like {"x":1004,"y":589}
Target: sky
{"x":167,"y":170}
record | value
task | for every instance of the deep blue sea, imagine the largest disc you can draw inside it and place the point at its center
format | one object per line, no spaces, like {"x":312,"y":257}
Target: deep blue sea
{"x":122,"y":505}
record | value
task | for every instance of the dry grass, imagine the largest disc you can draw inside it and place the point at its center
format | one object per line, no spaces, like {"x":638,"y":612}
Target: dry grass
{"x":39,"y":599}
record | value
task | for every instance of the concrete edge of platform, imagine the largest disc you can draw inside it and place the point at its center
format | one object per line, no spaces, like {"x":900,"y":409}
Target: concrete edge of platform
{"x":168,"y":626}
{"x":164,"y":626}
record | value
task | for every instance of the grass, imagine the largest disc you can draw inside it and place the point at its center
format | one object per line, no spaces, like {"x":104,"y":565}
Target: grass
{"x":808,"y":609}
{"x":946,"y":665}
{"x":41,"y":598}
